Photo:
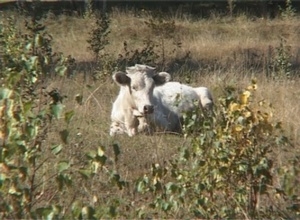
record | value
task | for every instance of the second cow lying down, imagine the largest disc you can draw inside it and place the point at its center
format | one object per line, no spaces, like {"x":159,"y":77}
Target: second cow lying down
{"x":148,"y":100}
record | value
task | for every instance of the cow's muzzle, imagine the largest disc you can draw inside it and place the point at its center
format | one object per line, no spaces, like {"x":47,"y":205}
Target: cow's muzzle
{"x":148,"y":109}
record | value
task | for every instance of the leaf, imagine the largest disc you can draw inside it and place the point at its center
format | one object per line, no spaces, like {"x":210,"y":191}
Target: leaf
{"x":31,"y":131}
{"x":101,"y":151}
{"x":247,"y":114}
{"x":56,"y":110}
{"x":33,"y":62}
{"x":3,"y":177}
{"x":5,"y":93}
{"x":61,"y":70}
{"x":50,"y":212}
{"x":64,"y":134}
{"x":88,"y":212}
{"x":44,"y":212}
{"x":79,"y":99}
{"x":13,"y":191}
{"x":116,"y":151}
{"x":141,"y":186}
{"x":62,"y":180}
{"x":62,"y":166}
{"x":76,"y":209}
{"x":86,"y":174}
{"x":244,"y":97}
{"x":254,"y":81}
{"x":112,"y":211}
{"x":95,"y":166}
{"x":23,"y":173}
{"x":56,"y":149}
{"x":27,"y":106}
{"x":91,"y":154}
{"x":234,"y":107}
{"x":68,"y":116}
{"x":38,"y":40}
{"x":101,"y":159}
{"x":116,"y":178}
{"x":238,"y":128}
{"x":28,"y":46}
{"x":171,"y":187}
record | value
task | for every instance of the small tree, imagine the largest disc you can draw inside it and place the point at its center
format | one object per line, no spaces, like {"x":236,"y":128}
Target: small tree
{"x":98,"y":40}
{"x":227,"y":170}
{"x":26,"y":59}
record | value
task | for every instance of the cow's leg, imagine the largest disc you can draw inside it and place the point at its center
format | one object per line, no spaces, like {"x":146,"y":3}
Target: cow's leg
{"x":144,"y":125}
{"x":143,"y":122}
{"x":131,"y":124}
{"x":116,"y":128}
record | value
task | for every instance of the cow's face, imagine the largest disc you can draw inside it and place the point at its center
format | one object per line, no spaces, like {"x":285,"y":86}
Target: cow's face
{"x":140,"y":81}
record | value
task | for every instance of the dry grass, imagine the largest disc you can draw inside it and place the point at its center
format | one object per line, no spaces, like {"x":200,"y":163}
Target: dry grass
{"x":206,"y":39}
{"x":210,"y":41}
{"x":216,"y":39}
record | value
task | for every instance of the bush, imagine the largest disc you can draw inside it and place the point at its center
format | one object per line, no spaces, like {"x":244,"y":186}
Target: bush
{"x":98,"y":39}
{"x":26,"y":113}
{"x":32,"y":174}
{"x":227,"y":170}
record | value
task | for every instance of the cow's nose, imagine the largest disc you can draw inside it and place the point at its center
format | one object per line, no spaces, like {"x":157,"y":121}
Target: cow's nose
{"x":148,"y":109}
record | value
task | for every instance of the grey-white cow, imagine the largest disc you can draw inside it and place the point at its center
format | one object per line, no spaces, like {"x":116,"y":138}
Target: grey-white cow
{"x":173,"y":99}
{"x":147,"y":98}
{"x":135,"y":100}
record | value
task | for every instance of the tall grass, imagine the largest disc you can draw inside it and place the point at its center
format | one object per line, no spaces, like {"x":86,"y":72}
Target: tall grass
{"x":224,"y":51}
{"x":218,"y":48}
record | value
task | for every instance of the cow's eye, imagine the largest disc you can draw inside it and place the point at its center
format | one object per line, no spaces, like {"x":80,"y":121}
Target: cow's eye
{"x":134,"y":88}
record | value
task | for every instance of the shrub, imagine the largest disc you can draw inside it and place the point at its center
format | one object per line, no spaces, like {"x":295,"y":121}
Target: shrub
{"x":281,"y":66}
{"x":26,"y":60}
{"x":289,"y":11}
{"x":227,"y":170}
{"x":146,"y":55}
{"x":98,"y":39}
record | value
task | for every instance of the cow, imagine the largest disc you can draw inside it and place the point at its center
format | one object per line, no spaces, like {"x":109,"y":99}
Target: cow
{"x":148,"y":99}
{"x":135,"y":99}
{"x":173,"y":99}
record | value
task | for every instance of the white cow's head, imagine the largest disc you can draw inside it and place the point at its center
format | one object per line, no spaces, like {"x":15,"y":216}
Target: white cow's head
{"x":139,"y":82}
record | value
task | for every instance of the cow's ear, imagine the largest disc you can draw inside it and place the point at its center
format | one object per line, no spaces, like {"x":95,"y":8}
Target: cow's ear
{"x":161,"y":78}
{"x":121,"y":78}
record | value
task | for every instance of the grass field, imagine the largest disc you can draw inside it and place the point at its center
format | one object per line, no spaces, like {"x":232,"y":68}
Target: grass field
{"x":224,"y":51}
{"x":227,"y":51}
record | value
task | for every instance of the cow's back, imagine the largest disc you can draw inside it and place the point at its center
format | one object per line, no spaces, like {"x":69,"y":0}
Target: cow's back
{"x":172,"y":100}
{"x":177,"y":97}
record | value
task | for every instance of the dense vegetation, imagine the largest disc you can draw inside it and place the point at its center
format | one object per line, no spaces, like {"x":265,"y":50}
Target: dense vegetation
{"x":58,"y":161}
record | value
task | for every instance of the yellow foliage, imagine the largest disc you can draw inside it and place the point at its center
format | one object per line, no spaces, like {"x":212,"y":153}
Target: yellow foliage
{"x":238,"y":128}
{"x":252,"y":87}
{"x":234,"y":107}
{"x":244,"y":97}
{"x":247,"y":114}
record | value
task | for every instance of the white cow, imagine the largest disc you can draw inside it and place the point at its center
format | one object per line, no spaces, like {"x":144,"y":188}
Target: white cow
{"x":147,"y":98}
{"x":135,"y":99}
{"x":173,"y":99}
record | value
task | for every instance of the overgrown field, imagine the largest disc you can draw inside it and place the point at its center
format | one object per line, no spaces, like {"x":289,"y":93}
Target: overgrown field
{"x":58,"y":160}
